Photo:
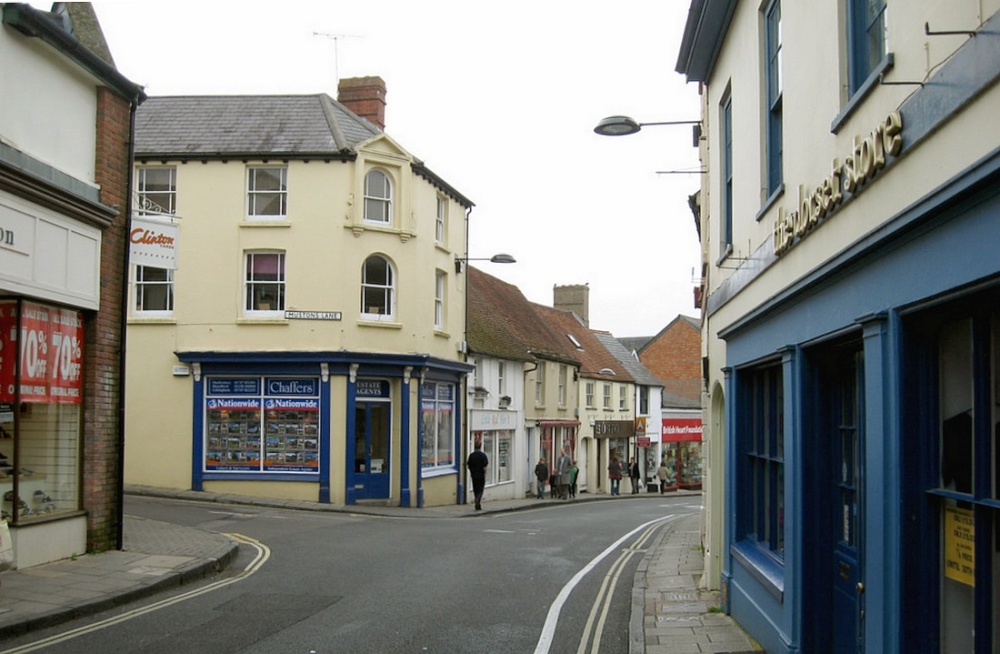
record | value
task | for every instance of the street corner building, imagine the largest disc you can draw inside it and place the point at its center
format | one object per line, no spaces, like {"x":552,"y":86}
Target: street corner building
{"x":296,"y":315}
{"x":850,"y":217}
{"x":65,"y":129}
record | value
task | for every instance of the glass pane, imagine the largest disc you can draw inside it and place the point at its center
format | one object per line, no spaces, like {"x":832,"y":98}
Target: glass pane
{"x":955,"y":354}
{"x":49,"y":461}
{"x":957,"y":581}
{"x":376,"y":271}
{"x":380,"y":438}
{"x":377,"y":185}
{"x":267,"y":179}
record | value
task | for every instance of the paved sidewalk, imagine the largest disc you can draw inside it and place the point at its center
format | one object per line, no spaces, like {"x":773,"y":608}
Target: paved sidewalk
{"x":677,"y":616}
{"x":669,"y":613}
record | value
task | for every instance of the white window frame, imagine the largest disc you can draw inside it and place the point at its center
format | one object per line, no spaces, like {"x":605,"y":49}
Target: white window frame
{"x":374,"y":286}
{"x":441,"y":219}
{"x":589,"y":397}
{"x":250,"y":284}
{"x":258,"y":197}
{"x":607,"y":397}
{"x":623,"y":398}
{"x":140,"y":286}
{"x":501,"y":378}
{"x":562,"y":385}
{"x":540,"y":384}
{"x":440,"y":279}
{"x":382,"y":201}
{"x":146,"y":206}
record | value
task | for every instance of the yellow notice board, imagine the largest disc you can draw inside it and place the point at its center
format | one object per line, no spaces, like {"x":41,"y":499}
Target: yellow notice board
{"x":959,"y":545}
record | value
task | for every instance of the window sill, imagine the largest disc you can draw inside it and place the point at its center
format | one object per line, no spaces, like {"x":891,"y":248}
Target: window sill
{"x":277,"y":319}
{"x":265,"y":222}
{"x":428,"y":473}
{"x":863,"y":91}
{"x":761,"y":566}
{"x":441,"y":333}
{"x":778,"y":192}
{"x":151,"y":320}
{"x":374,"y":322}
{"x":725,"y":255}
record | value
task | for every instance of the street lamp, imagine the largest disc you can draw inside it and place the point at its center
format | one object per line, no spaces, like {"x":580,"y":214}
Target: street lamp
{"x":496,"y":258}
{"x":623,"y":125}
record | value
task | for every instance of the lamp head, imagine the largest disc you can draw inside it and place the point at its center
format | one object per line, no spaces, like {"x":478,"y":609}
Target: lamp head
{"x":617,"y":126}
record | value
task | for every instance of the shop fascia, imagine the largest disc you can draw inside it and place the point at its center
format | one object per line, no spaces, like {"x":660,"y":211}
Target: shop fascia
{"x":868,"y":158}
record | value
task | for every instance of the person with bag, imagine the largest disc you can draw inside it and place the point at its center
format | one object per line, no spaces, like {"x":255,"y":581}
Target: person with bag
{"x":615,"y":475}
{"x":541,"y":476}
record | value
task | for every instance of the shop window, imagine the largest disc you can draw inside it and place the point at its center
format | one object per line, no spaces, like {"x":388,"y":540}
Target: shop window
{"x":261,"y":424}
{"x":762,"y":506}
{"x":967,"y":493}
{"x":41,"y":358}
{"x":437,"y":412}
{"x":498,"y":447}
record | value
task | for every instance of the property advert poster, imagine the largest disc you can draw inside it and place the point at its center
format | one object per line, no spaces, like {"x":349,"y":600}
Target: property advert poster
{"x":50,"y":352}
{"x":262,"y":424}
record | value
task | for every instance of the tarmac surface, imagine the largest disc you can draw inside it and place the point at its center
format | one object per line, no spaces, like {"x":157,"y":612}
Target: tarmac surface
{"x":670,"y":612}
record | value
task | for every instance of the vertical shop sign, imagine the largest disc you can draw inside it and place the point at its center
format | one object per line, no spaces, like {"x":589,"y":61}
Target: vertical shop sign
{"x":50,"y":352}
{"x":959,"y":545}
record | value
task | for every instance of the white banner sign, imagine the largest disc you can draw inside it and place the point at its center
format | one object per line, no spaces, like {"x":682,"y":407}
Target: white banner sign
{"x":153,"y":243}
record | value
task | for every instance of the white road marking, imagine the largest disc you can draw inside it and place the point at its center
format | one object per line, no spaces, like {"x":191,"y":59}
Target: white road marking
{"x":552,"y":619}
{"x":263,"y":554}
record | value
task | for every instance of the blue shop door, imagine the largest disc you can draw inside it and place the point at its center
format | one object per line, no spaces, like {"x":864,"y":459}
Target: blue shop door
{"x":371,"y":450}
{"x":847,"y":456}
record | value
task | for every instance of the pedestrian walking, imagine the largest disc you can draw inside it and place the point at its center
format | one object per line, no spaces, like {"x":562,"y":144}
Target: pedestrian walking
{"x":562,"y":469}
{"x":633,"y":475}
{"x":541,"y":476}
{"x":574,"y":472}
{"x":615,"y":475}
{"x":477,"y":464}
{"x":661,"y":474}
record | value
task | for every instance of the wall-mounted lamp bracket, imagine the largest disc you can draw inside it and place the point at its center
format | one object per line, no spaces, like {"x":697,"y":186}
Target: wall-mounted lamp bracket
{"x":928,"y":32}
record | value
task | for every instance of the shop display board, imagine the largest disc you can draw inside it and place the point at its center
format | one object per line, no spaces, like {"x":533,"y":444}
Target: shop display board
{"x":262,"y":424}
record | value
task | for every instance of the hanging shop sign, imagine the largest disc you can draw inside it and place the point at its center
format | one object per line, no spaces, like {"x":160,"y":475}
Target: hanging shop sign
{"x":866,"y":160}
{"x":153,"y":243}
{"x":50,"y":354}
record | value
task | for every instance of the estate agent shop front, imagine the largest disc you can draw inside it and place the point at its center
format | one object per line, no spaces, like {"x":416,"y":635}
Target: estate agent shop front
{"x":329,"y":427}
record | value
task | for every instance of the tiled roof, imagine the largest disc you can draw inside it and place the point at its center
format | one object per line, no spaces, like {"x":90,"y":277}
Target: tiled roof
{"x":639,"y":372}
{"x":248,"y":125}
{"x":592,"y":354}
{"x":502,"y":323}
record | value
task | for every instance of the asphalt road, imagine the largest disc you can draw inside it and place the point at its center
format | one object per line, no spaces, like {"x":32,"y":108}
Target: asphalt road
{"x":548,"y":580}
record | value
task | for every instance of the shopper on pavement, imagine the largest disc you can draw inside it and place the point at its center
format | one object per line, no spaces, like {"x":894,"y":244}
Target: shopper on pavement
{"x":661,"y":474}
{"x":477,"y":464}
{"x":574,"y":472}
{"x":562,"y":469}
{"x":633,"y":475}
{"x":615,"y":475}
{"x":541,"y":476}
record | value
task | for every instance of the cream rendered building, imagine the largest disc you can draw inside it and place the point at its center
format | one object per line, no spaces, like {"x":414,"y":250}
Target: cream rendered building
{"x":850,"y":218}
{"x":297,"y":328}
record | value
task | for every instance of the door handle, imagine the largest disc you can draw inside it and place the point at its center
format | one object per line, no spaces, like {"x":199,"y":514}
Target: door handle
{"x":861,"y":588}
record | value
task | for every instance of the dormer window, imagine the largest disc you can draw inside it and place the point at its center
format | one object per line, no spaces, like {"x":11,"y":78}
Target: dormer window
{"x":378,"y":198}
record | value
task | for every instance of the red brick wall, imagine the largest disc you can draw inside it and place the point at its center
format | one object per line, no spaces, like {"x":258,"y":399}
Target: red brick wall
{"x":103,"y":382}
{"x":675,"y":358}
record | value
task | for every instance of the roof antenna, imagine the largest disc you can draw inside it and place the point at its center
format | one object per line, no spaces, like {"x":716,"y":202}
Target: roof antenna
{"x":336,"y":38}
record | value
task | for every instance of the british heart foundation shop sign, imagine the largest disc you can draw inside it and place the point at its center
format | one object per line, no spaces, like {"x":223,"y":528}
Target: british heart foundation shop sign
{"x":51,"y":353}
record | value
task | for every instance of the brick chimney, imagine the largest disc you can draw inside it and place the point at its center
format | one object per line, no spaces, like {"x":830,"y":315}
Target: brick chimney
{"x":365,"y":96}
{"x":575,"y":298}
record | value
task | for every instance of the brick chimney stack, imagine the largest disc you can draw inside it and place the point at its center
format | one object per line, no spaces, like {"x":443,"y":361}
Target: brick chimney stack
{"x":365,"y":96}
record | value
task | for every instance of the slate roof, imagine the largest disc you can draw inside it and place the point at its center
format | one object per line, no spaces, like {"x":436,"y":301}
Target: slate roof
{"x":634,"y":343}
{"x":639,"y":372}
{"x":592,"y":354}
{"x":248,"y":125}
{"x":502,"y":323}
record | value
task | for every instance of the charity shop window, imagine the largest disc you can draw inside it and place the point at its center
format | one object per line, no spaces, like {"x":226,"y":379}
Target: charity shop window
{"x":267,"y":192}
{"x":378,"y":198}
{"x":264,"y":285}
{"x":378,"y":289}
{"x":497,"y":445}
{"x":156,"y":190}
{"x":41,"y":390}
{"x":437,"y":412}
{"x":261,"y":424}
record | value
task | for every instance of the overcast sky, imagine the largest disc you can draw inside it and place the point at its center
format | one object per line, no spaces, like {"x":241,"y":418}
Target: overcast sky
{"x":500,"y":100}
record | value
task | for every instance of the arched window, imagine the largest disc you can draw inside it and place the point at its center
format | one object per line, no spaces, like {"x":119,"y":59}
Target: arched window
{"x":377,"y":289}
{"x":378,"y":198}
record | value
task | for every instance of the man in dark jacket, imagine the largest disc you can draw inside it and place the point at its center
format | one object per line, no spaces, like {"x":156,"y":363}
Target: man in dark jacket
{"x":477,"y":470}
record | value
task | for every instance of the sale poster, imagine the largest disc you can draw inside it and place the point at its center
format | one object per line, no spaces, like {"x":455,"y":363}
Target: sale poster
{"x":41,"y":354}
